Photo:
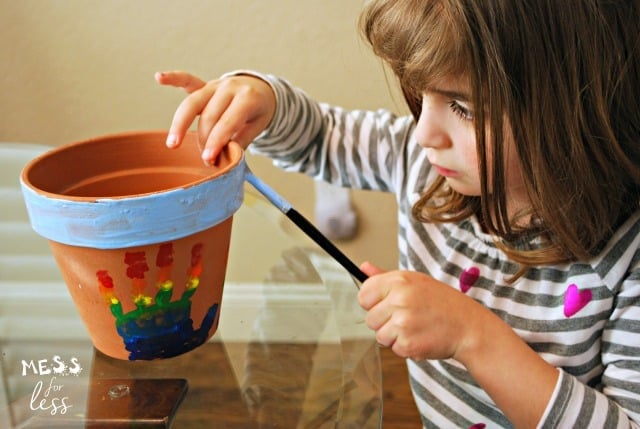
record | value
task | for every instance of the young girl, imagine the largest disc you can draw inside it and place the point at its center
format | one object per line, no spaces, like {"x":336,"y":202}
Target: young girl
{"x":517,"y":298}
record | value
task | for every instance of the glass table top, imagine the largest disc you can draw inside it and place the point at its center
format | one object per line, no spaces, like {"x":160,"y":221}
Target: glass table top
{"x":291,"y":349}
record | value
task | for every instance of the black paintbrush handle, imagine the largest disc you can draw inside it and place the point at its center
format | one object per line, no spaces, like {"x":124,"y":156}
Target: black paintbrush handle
{"x":307,"y":227}
{"x":320,"y":239}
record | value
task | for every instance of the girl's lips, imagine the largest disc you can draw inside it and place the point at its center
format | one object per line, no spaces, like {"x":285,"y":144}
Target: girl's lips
{"x":445,"y":171}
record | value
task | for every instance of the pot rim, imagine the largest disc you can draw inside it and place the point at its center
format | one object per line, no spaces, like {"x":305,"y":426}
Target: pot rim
{"x":54,"y":151}
{"x":140,"y":219}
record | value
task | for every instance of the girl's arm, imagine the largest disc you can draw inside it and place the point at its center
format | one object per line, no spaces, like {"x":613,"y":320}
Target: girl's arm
{"x":350,"y":148}
{"x":421,"y":318}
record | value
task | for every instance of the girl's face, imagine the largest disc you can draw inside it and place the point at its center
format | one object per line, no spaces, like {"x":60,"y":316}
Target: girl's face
{"x":446,"y":129}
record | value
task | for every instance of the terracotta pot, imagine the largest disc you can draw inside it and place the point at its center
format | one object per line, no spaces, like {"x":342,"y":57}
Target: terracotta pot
{"x":141,"y":235}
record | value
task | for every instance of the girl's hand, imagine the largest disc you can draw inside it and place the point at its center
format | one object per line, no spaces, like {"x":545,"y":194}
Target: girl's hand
{"x":234,"y":108}
{"x":419,"y":317}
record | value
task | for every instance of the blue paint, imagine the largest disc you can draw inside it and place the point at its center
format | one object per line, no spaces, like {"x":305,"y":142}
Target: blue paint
{"x":113,"y":223}
{"x":165,"y":333}
{"x":276,"y":199}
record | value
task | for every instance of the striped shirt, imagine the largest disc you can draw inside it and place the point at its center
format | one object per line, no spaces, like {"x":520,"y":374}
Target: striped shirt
{"x":583,"y":318}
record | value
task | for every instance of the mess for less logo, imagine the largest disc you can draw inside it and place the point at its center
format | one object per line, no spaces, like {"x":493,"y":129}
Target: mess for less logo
{"x":51,"y":397}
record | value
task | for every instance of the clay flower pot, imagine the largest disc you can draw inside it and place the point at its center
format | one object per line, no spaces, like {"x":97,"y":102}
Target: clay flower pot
{"x":141,"y":235}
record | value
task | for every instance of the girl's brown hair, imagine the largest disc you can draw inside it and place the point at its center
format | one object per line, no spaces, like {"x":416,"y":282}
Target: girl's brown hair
{"x":563,"y":77}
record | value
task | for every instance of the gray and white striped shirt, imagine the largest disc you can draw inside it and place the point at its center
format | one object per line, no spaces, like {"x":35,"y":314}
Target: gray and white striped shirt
{"x":583,"y":318}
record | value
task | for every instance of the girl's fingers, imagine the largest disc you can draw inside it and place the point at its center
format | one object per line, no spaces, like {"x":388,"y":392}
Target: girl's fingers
{"x":189,"y":108}
{"x":386,"y":335}
{"x":186,"y":81}
{"x":216,"y":137}
{"x":186,"y":113}
{"x":369,"y":269}
{"x":229,"y":118}
{"x":229,"y":109}
{"x":378,"y":316}
{"x":210,"y":118}
{"x":247,"y":134}
{"x":375,"y":288}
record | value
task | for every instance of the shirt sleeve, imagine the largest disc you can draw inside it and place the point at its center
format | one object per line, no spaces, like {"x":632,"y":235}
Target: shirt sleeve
{"x":611,"y":400}
{"x":350,"y":148}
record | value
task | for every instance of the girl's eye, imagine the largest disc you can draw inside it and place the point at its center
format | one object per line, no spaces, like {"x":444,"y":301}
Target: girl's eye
{"x":463,"y":112}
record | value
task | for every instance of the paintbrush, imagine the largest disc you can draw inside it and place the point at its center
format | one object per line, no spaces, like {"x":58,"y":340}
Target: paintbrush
{"x":307,"y":227}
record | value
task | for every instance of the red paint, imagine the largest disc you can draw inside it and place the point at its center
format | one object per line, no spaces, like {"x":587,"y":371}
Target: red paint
{"x":165,"y":255}
{"x":137,"y":263}
{"x":196,"y":261}
{"x":104,"y":279}
{"x":196,"y":254}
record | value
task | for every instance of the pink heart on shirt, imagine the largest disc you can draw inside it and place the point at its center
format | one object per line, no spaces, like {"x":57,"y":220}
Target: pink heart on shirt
{"x":468,"y":278}
{"x":575,"y":300}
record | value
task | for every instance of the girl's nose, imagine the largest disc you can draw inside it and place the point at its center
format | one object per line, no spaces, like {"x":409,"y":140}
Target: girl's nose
{"x":430,"y":130}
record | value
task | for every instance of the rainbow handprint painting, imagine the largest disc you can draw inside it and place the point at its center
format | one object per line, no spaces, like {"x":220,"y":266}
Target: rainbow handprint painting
{"x":150,"y":302}
{"x":160,"y":326}
{"x":141,"y":236}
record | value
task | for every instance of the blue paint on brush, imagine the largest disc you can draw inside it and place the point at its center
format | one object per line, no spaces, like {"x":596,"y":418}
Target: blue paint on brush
{"x":271,"y":195}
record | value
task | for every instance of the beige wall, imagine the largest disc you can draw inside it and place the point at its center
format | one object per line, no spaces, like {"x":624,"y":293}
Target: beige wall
{"x":72,"y":69}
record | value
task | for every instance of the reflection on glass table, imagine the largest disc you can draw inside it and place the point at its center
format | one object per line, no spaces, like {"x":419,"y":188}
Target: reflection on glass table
{"x":291,"y":349}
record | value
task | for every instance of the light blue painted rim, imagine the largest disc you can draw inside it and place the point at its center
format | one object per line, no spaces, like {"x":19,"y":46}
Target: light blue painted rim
{"x":109,"y":223}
